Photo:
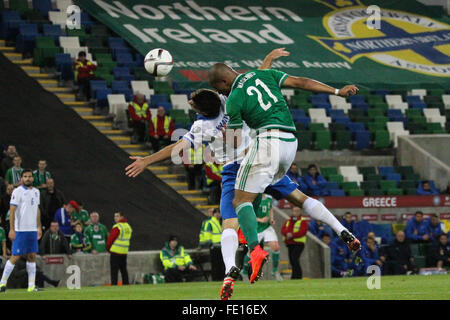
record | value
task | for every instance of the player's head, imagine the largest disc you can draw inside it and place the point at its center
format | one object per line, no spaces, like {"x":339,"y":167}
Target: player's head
{"x":205,"y":102}
{"x":27,"y":177}
{"x":221,"y":77}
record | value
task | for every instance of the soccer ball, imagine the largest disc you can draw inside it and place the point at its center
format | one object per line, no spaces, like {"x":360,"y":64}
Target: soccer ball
{"x":158,"y":62}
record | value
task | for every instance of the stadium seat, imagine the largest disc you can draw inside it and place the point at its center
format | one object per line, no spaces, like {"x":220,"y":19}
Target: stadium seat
{"x":19,"y":5}
{"x":356,"y":192}
{"x":322,"y":140}
{"x":335,"y":178}
{"x":337,"y":193}
{"x":419,"y":92}
{"x":367,"y":170}
{"x":141,"y":86}
{"x":382,"y":139}
{"x":95,"y":85}
{"x":304,"y":139}
{"x":393,"y":176}
{"x":69,"y":42}
{"x":367,"y":185}
{"x":404,"y":170}
{"x":433,"y":115}
{"x":58,"y":18}
{"x":342,"y":139}
{"x":362,"y":140}
{"x":26,"y":38}
{"x":375,"y":192}
{"x":350,"y":173}
{"x":356,"y":126}
{"x":387,"y":184}
{"x":373,"y":177}
{"x":10,"y":22}
{"x":102,"y":96}
{"x":287,"y":94}
{"x":43,"y":6}
{"x":327,"y":171}
{"x":350,"y":185}
{"x":396,"y":102}
{"x":62,"y":5}
{"x":44,"y":51}
{"x":157,"y":99}
{"x":64,"y":65}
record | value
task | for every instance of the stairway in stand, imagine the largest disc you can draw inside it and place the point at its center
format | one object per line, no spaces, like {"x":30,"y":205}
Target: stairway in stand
{"x":105,"y":125}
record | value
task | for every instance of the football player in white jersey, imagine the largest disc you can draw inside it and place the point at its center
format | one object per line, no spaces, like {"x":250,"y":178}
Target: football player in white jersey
{"x":25,"y":229}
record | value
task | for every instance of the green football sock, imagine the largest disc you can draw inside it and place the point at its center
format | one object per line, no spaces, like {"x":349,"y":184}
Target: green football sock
{"x":275,"y":261}
{"x":248,"y":223}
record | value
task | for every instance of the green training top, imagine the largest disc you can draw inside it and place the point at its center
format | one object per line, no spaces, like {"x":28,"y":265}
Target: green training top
{"x":256,"y":98}
{"x":264,"y":211}
{"x":97,"y":234}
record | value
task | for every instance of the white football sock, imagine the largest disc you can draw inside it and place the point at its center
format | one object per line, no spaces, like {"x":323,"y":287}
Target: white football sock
{"x":316,"y":210}
{"x":229,"y":242}
{"x":31,"y":269}
{"x":6,"y":272}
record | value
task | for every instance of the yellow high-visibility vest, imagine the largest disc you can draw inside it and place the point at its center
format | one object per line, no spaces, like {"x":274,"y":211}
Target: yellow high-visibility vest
{"x":122,"y":243}
{"x":196,"y":156}
{"x":167,"y":120}
{"x":140,"y":111}
{"x":216,"y":233}
{"x":216,"y":169}
{"x":295,"y":229}
{"x":203,"y":236}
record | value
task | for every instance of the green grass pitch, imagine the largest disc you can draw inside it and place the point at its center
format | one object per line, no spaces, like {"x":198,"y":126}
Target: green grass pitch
{"x":392,"y":288}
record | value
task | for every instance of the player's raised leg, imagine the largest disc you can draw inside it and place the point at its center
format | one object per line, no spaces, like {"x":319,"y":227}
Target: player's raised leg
{"x":9,"y":267}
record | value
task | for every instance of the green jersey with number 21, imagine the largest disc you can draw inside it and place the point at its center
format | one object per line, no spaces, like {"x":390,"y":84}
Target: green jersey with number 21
{"x":256,"y":98}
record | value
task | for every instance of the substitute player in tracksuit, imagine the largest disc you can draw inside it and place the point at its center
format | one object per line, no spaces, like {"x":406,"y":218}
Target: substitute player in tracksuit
{"x":25,"y":229}
{"x":210,"y":127}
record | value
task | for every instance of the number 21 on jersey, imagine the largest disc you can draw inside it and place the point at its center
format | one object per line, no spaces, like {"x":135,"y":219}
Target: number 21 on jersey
{"x":252,"y":89}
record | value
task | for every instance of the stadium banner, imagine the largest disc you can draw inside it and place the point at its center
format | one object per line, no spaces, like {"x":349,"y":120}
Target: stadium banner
{"x":380,"y":202}
{"x":373,"y":43}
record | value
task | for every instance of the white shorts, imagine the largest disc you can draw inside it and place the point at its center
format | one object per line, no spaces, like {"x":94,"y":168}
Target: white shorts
{"x":268,"y":235}
{"x":269,"y":158}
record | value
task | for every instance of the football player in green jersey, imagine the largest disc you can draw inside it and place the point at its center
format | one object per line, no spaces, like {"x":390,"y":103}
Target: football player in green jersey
{"x":256,"y":98}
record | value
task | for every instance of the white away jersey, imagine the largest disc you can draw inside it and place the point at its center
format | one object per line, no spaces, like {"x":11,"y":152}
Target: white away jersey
{"x":27,"y":202}
{"x":208,"y":130}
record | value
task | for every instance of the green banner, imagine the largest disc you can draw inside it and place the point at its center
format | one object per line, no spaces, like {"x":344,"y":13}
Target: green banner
{"x":389,"y":43}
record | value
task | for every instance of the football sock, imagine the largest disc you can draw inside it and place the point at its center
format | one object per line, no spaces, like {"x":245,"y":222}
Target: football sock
{"x":31,"y":269}
{"x":248,"y":223}
{"x":6,"y":272}
{"x":275,"y":261}
{"x":229,"y":244}
{"x":316,"y":210}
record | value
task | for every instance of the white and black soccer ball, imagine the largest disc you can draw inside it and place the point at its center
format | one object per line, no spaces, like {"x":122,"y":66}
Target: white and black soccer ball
{"x":158,"y":62}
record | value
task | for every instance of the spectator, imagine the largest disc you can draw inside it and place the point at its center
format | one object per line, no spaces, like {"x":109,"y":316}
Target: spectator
{"x":62,"y":216}
{"x":4,"y":251}
{"x":117,"y":245}
{"x":213,"y":236}
{"x":7,"y":161}
{"x":51,"y":200}
{"x":425,"y":189}
{"x":41,"y":175}
{"x":341,"y":259}
{"x":315,"y":182}
{"x":13,"y":174}
{"x":80,"y":216}
{"x":84,"y":72}
{"x":54,"y":242}
{"x":417,"y":229}
{"x":178,"y":266}
{"x":318,"y":228}
{"x":440,"y":253}
{"x":347,"y":221}
{"x":398,"y":257}
{"x":297,"y":178}
{"x":97,"y":234}
{"x":204,"y":241}
{"x":79,"y":242}
{"x":213,"y":173}
{"x":4,"y":205}
{"x":161,"y":129}
{"x":370,"y":254}
{"x":435,"y":227}
{"x":446,"y":191}
{"x":140,"y":115}
{"x":294,"y":231}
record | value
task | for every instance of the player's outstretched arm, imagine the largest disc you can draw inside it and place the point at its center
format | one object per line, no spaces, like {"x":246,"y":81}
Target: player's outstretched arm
{"x":140,"y":163}
{"x":272,"y":56}
{"x":317,"y":86}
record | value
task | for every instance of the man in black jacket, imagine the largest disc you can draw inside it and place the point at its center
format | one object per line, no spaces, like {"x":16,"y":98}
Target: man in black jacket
{"x":54,"y":242}
{"x":51,"y":200}
{"x":399,"y":259}
{"x":440,"y":253}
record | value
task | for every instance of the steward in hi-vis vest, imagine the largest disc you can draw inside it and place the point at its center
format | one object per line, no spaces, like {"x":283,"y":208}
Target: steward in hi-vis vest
{"x":118,"y":245}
